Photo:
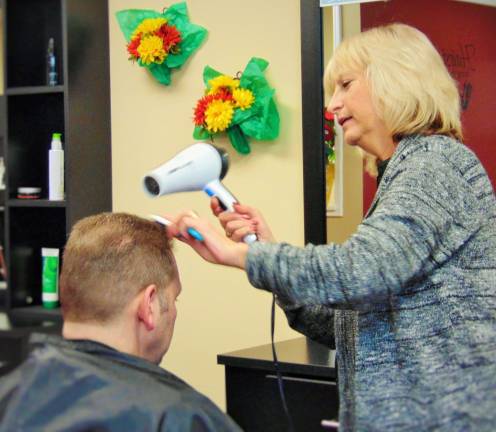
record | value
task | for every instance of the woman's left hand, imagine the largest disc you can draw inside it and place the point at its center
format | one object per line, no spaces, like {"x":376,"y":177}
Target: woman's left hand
{"x":244,"y":220}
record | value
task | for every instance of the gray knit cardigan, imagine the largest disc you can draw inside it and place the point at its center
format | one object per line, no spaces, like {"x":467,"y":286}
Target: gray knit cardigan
{"x":409,"y":299}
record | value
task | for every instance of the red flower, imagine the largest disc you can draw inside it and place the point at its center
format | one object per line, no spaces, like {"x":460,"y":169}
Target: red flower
{"x":170,"y":35}
{"x":204,"y":102}
{"x":132,"y":47}
{"x":224,"y":94}
{"x":200,"y":109}
{"x":328,"y":115}
{"x":328,"y":127}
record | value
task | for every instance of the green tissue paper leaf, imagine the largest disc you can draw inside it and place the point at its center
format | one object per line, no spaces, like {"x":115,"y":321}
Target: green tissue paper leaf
{"x":201,"y":134}
{"x":238,"y":140}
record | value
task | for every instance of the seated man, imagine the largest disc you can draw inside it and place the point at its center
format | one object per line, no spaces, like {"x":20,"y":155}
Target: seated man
{"x":118,"y":287}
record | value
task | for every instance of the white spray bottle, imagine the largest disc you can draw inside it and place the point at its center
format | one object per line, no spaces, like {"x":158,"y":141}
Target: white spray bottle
{"x":56,"y":169}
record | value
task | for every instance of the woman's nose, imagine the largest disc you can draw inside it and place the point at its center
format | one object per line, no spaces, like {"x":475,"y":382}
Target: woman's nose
{"x":335,"y":104}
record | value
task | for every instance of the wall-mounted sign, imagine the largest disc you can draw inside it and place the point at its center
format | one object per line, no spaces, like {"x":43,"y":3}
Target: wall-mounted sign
{"x":324,"y":3}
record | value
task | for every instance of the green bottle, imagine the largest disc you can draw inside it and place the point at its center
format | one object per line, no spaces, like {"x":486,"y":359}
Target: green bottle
{"x":50,"y":278}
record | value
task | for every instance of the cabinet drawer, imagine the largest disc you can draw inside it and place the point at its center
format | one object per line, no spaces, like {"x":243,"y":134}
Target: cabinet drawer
{"x":12,"y":350}
{"x":254,"y":402}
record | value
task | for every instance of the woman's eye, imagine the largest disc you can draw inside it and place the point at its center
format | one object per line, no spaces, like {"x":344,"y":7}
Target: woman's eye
{"x":346,"y":84}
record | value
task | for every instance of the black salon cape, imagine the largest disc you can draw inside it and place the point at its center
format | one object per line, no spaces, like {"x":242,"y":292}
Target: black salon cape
{"x":86,"y":386}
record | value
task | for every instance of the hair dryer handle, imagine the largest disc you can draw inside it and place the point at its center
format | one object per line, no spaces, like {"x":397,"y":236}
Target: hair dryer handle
{"x":227,"y":200}
{"x":217,"y":189}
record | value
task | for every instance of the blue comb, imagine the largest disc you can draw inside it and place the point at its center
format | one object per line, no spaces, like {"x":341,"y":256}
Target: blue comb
{"x":163,"y":221}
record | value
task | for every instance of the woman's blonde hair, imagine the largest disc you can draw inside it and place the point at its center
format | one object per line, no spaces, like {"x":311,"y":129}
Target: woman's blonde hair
{"x":411,"y":88}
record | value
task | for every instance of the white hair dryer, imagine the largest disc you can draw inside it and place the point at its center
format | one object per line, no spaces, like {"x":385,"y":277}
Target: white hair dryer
{"x":200,"y":166}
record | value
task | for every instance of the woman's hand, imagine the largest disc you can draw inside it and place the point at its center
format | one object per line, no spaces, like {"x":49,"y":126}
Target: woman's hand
{"x":243,"y":221}
{"x":214,"y":248}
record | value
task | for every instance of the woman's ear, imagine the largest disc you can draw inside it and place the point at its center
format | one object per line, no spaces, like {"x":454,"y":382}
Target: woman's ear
{"x":146,"y":309}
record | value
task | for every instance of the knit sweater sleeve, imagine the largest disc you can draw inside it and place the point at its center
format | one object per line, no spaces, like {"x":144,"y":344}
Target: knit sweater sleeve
{"x":425,"y":213}
{"x":314,"y":321}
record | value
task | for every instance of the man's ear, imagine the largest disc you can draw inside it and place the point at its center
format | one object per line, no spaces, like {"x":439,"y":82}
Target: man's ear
{"x":146,"y":310}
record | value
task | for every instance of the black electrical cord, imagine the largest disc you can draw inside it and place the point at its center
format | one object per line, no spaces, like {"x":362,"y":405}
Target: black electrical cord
{"x":276,"y":366}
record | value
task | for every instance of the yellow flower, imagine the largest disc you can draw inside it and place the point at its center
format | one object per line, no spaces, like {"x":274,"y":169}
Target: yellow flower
{"x":243,"y":98}
{"x":151,"y":50}
{"x":222,"y":81}
{"x":148,"y":25}
{"x":218,"y":115}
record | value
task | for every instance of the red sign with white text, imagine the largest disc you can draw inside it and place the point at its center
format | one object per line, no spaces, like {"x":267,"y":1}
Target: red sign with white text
{"x":465,"y":35}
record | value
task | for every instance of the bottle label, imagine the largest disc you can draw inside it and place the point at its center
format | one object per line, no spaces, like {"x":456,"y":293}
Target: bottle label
{"x":50,"y":279}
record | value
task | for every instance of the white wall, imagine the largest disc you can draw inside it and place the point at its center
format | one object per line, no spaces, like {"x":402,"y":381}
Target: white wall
{"x":218,"y":310}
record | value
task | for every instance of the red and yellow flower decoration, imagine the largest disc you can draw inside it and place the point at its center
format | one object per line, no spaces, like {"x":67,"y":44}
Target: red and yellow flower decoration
{"x":329,"y":136}
{"x":160,"y":41}
{"x":153,"y":40}
{"x":240,"y":106}
{"x":329,"y":141}
{"x":214,"y":111}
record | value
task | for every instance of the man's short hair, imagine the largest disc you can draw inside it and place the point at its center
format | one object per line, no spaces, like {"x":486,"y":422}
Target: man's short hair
{"x":108,"y":259}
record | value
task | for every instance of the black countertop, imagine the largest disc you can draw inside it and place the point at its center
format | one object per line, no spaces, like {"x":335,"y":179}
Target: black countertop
{"x":299,"y":356}
{"x":12,"y":324}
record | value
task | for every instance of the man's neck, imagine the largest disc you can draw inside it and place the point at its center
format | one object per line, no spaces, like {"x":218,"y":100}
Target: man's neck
{"x":110,"y":334}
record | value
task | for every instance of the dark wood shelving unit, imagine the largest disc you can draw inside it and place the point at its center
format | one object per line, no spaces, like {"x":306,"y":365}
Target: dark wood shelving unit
{"x":3,"y":282}
{"x":78,"y":107}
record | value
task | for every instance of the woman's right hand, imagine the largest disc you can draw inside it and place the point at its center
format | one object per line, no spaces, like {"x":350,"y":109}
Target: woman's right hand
{"x":243,"y":221}
{"x":214,"y":247}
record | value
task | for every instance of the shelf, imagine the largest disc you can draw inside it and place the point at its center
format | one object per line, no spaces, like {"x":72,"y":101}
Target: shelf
{"x":15,"y":91}
{"x":29,"y":26}
{"x":15,"y":325}
{"x":35,"y":203}
{"x":31,"y":121}
{"x":37,"y":312}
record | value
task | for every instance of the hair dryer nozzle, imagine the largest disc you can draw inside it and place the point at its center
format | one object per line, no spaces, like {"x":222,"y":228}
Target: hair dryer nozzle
{"x":151,"y":186}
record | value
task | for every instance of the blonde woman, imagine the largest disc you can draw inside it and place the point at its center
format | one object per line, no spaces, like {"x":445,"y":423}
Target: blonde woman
{"x":410,"y":299}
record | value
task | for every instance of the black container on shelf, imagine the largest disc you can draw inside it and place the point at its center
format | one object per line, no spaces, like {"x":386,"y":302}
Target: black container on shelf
{"x":23,"y":259}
